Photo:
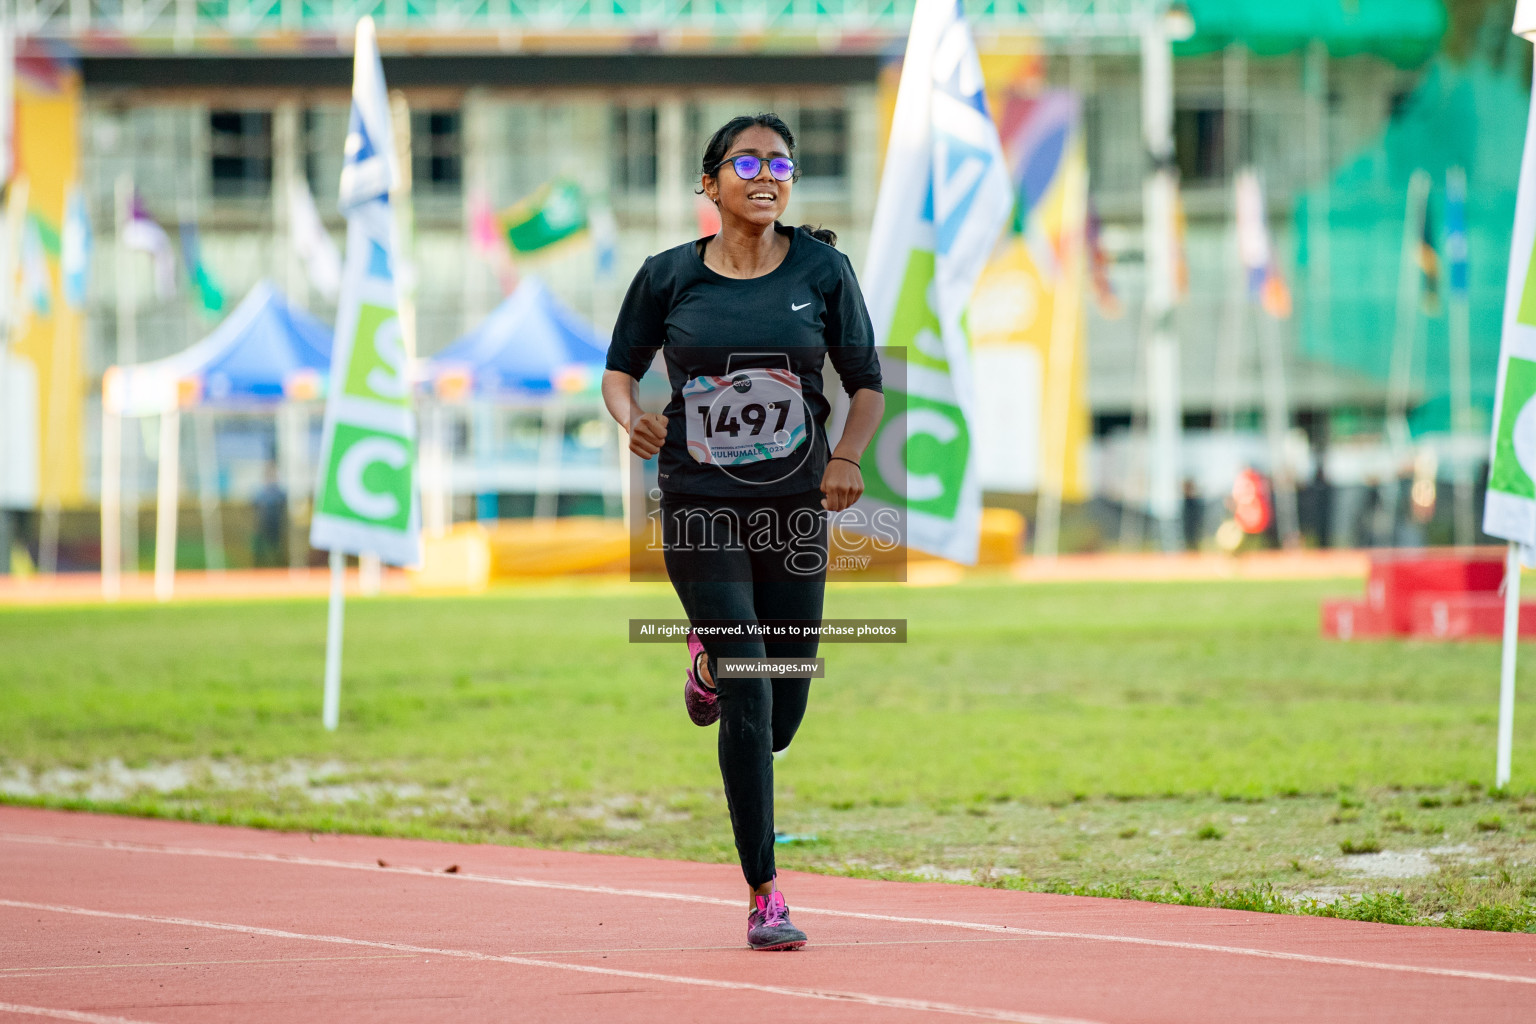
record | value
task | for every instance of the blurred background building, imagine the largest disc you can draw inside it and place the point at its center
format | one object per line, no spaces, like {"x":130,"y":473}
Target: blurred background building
{"x":216,"y":110}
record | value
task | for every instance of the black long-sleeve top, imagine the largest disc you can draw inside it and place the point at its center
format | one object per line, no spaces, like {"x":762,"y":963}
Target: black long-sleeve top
{"x":806,"y":310}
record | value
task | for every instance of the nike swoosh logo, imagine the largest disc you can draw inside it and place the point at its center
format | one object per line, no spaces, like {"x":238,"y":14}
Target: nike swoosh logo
{"x":795,"y":309}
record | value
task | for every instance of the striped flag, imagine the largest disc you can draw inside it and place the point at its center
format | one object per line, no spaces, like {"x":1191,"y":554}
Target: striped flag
{"x":554,"y":213}
{"x":75,"y":249}
{"x":1099,"y":262}
{"x":1429,"y":265}
{"x":36,"y":282}
{"x":7,"y":103}
{"x":488,"y":242}
{"x":1456,"y":232}
{"x":1266,"y":285}
{"x":605,"y":241}
{"x":144,"y":234}
{"x":312,"y":243}
{"x":1180,"y":243}
{"x":209,"y":295}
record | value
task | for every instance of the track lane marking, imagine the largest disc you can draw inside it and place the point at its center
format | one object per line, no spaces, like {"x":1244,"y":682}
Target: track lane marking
{"x":605,"y":890}
{"x":57,"y":1014}
{"x":737,"y":948}
{"x":831,"y":995}
{"x":603,"y":950}
{"x":41,"y":969}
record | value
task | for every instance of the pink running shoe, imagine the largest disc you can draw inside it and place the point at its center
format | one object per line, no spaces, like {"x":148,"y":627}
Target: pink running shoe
{"x":703,"y":704}
{"x":768,"y":926}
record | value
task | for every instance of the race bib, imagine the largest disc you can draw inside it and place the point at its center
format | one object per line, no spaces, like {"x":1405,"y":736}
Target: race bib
{"x":744,"y":417}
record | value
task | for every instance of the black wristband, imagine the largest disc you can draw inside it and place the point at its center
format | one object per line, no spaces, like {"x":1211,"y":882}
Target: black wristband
{"x":839,"y":458}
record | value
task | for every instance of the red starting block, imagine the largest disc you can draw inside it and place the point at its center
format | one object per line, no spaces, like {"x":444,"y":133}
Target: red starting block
{"x":1346,"y":619}
{"x":1434,"y":595}
{"x":1399,"y":578}
{"x":1453,"y":616}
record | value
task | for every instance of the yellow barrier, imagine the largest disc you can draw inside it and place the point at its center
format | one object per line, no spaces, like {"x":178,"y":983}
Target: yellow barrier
{"x":471,"y":556}
{"x":523,"y":548}
{"x":456,"y":562}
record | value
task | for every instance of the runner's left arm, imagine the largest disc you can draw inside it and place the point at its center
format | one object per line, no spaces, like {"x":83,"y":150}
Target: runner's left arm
{"x":843,"y":483}
{"x":851,"y":347}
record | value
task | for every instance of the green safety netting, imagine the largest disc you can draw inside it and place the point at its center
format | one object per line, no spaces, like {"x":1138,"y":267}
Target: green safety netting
{"x":1406,"y":32}
{"x":1472,"y":116}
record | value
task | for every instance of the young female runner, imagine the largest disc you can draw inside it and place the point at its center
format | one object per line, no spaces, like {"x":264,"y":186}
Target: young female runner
{"x":746,"y":319}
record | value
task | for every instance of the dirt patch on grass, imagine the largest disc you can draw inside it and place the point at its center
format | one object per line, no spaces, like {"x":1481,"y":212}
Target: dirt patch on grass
{"x":1430,"y":855}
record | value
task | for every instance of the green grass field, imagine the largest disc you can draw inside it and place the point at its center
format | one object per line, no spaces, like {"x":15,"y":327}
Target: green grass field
{"x":1196,"y":742}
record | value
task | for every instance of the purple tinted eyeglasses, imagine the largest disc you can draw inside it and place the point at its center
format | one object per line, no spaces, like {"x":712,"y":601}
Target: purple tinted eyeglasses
{"x":781,"y":168}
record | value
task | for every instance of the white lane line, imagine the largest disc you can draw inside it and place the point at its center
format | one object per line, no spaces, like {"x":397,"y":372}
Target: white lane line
{"x":604,"y":890}
{"x":57,"y":1014}
{"x":43,"y":970}
{"x":850,"y":944}
{"x":862,"y":998}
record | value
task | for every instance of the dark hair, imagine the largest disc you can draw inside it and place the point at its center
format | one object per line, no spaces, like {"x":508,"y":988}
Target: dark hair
{"x":720,"y":144}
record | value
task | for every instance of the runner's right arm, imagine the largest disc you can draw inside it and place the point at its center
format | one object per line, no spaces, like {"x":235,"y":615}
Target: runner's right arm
{"x":638,"y":333}
{"x":647,"y":430}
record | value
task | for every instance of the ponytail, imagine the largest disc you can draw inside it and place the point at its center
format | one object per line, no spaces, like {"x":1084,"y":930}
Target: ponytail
{"x":821,"y":234}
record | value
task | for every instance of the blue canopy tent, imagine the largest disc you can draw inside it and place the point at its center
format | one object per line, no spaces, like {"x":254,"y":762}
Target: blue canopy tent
{"x":531,"y":351}
{"x":267,"y":354}
{"x":532,"y":345}
{"x":267,"y":351}
{"x":262,"y":353}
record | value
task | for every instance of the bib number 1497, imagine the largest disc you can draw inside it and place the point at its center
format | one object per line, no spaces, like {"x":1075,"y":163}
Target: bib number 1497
{"x":753,"y":414}
{"x":750,"y":416}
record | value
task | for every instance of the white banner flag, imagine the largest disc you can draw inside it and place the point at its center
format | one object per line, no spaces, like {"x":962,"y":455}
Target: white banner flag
{"x":143,"y":233}
{"x":367,"y":499}
{"x":945,"y":196}
{"x":312,"y":243}
{"x":7,"y":103}
{"x":1510,"y":511}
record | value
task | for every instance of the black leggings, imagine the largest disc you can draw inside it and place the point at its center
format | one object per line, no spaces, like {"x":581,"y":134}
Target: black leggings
{"x":724,"y":567}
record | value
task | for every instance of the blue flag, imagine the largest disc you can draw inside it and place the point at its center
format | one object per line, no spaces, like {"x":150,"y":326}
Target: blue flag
{"x":75,"y":253}
{"x":209,"y":295}
{"x":1456,"y":232}
{"x":35,"y":279}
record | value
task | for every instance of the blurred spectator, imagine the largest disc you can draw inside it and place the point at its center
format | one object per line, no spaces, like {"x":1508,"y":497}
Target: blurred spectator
{"x":1194,"y":515}
{"x":1271,"y":530}
{"x":1407,"y":531}
{"x":1317,"y":507}
{"x":271,"y":503}
{"x":1368,"y":529}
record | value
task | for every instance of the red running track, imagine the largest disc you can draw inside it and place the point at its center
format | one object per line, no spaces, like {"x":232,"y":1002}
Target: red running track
{"x":109,"y":920}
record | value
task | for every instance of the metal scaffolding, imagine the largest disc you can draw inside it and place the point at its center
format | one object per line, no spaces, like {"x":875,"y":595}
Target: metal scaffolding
{"x":185,"y":21}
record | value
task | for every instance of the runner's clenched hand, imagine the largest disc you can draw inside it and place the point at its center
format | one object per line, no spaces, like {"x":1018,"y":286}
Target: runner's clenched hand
{"x":647,"y":433}
{"x":842,"y":484}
